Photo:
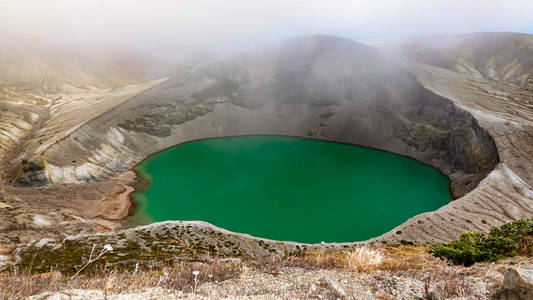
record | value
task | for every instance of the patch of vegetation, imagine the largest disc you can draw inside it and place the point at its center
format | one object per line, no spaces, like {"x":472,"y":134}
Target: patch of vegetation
{"x":144,"y":247}
{"x":407,"y":243}
{"x":511,"y":239}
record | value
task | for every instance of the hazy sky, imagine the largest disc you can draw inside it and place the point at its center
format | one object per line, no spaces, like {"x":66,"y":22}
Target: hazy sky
{"x":244,"y":23}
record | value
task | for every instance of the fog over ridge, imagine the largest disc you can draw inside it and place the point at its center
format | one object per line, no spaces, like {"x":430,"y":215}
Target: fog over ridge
{"x":214,"y":28}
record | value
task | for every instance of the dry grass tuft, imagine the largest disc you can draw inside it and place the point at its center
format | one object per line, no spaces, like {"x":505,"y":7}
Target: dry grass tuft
{"x":456,"y":286}
{"x":362,"y":258}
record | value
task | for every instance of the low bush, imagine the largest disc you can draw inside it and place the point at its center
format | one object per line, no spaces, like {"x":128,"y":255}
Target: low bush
{"x":509,"y":240}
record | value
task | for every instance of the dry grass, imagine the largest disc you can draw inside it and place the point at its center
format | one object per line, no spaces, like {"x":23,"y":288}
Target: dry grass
{"x":177,"y":277}
{"x":270,"y":264}
{"x":180,"y":276}
{"x":316,"y":258}
{"x":358,"y":259}
{"x":362,"y":259}
{"x":448,"y":283}
{"x":367,"y":259}
{"x":456,"y":286}
{"x":401,"y":258}
{"x":415,"y":261}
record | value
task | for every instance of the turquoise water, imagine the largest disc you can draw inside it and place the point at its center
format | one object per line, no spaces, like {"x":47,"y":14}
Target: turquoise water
{"x":288,"y":188}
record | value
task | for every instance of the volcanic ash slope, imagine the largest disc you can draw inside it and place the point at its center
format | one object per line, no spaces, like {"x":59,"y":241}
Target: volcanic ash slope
{"x":334,"y":89}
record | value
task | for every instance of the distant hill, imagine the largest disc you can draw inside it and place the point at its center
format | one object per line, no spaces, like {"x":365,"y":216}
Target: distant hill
{"x":36,"y":65}
{"x":506,"y":57}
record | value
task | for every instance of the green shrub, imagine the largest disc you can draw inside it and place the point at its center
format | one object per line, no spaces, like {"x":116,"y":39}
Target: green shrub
{"x":407,"y":243}
{"x":509,"y":240}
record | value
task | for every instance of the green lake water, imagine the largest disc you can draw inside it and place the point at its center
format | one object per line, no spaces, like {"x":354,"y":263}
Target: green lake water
{"x":288,"y":188}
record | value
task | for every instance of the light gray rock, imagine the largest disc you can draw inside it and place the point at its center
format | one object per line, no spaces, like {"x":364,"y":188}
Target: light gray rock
{"x":519,"y":278}
{"x":334,"y":286}
{"x":434,"y":295}
{"x":517,"y":285}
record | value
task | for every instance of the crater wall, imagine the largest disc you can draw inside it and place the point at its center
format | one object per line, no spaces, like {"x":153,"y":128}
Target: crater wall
{"x":321,"y":87}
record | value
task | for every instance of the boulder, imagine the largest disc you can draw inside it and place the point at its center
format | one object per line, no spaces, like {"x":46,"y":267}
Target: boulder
{"x":517,"y":285}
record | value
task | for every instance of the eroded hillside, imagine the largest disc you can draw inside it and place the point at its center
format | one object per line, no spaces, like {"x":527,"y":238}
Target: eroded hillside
{"x":47,"y":91}
{"x":319,"y":86}
{"x":496,"y":56}
{"x":475,"y":129}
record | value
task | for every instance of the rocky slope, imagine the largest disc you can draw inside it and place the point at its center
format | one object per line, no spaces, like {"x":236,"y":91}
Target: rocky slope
{"x":506,"y":194}
{"x":34,"y":121}
{"x":477,"y":130}
{"x":404,"y":272}
{"x":319,"y":86}
{"x":47,"y":91}
{"x":300,"y":283}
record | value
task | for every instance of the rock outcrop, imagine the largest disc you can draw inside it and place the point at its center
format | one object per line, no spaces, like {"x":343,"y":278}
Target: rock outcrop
{"x":506,"y":193}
